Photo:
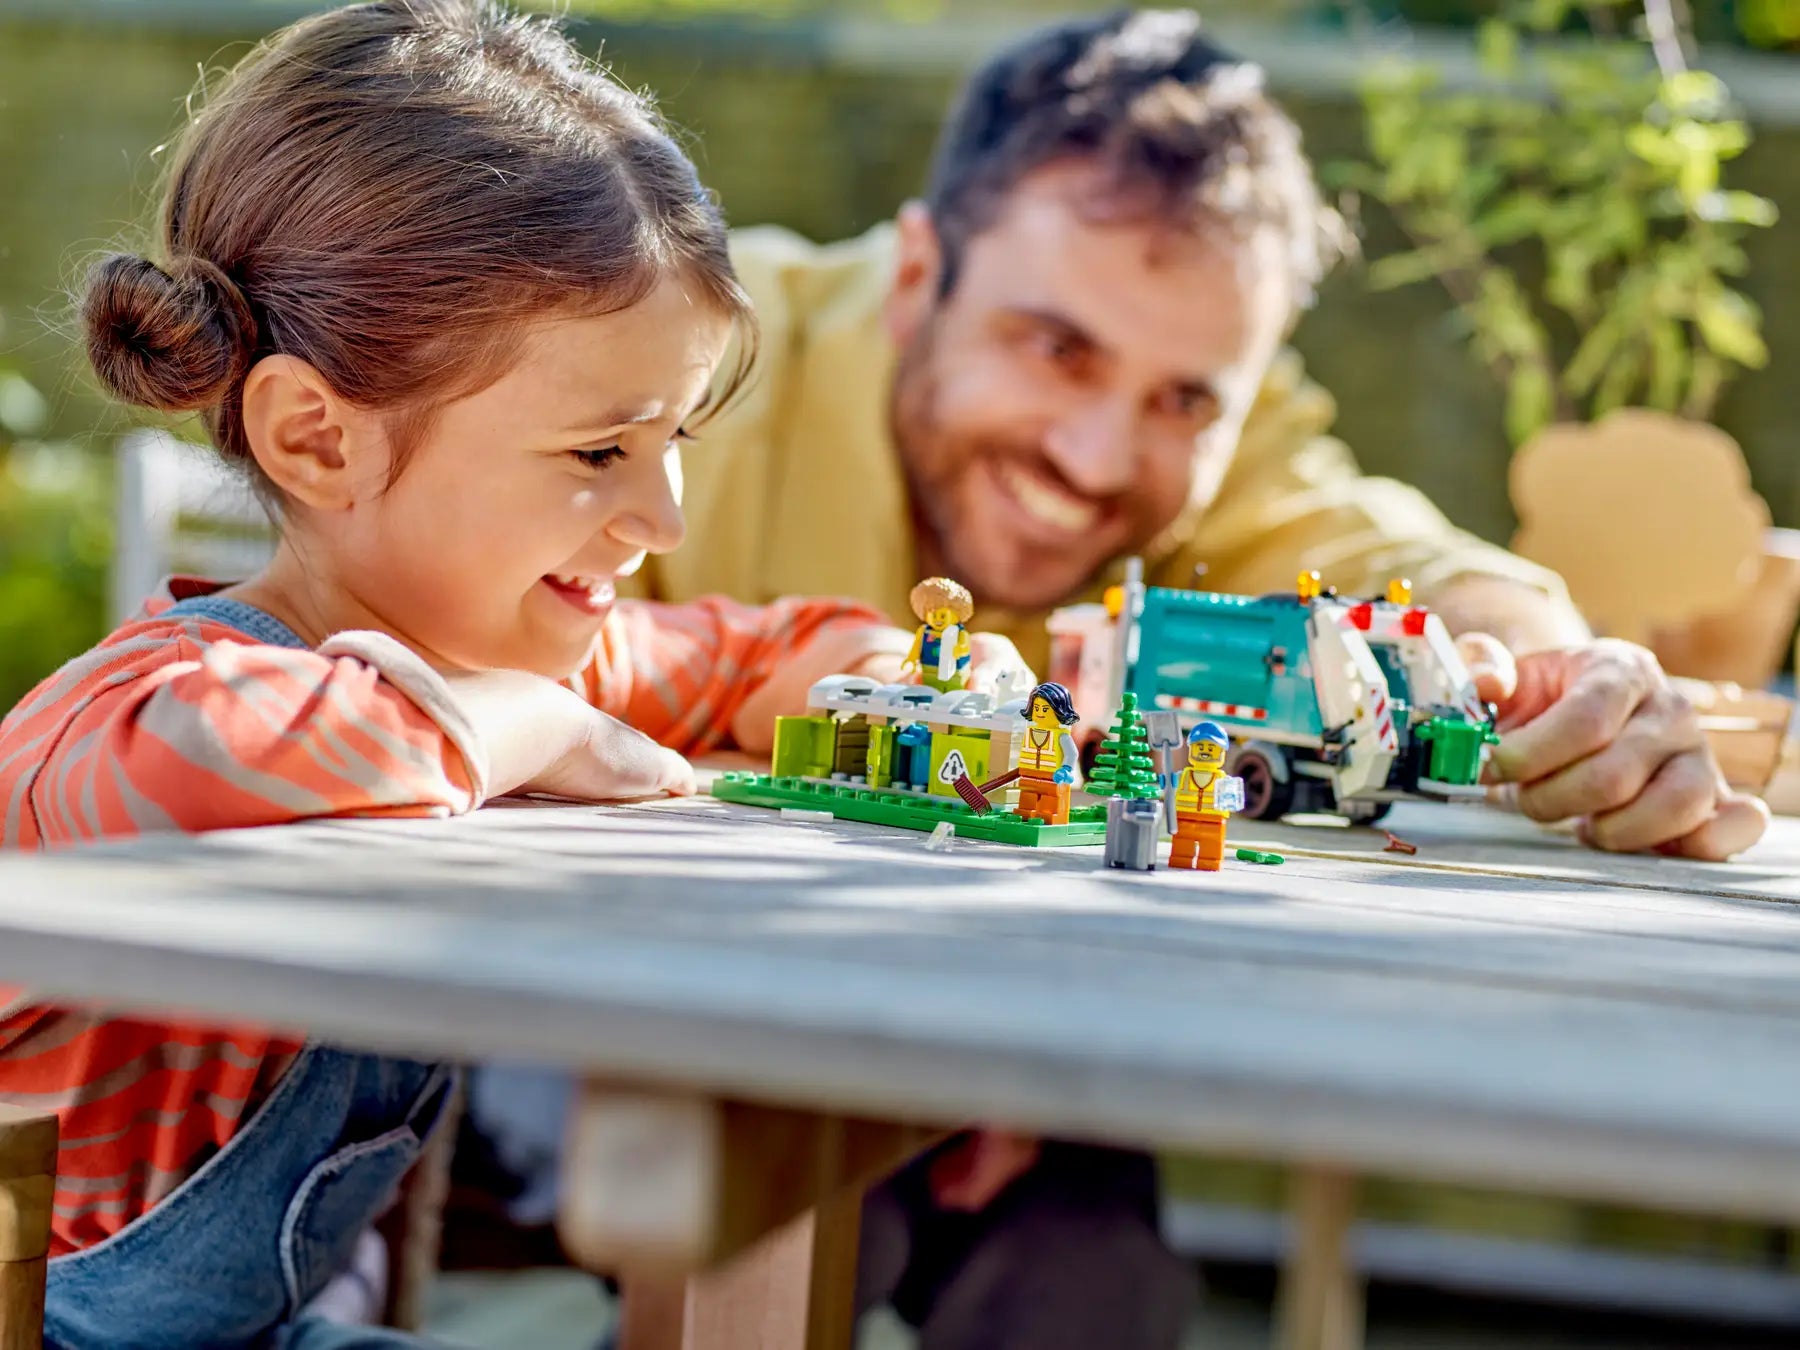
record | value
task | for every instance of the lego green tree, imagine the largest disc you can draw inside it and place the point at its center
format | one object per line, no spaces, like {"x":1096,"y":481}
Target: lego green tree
{"x":1124,"y":767}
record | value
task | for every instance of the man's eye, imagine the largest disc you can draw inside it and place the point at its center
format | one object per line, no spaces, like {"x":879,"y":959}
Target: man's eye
{"x":599,"y":458}
{"x":1192,"y":404}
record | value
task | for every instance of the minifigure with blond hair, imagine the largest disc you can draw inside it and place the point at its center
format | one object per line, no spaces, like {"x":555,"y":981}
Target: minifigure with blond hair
{"x":940,"y":649}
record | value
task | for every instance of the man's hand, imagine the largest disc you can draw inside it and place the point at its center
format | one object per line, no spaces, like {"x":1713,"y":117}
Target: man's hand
{"x":1597,"y":733}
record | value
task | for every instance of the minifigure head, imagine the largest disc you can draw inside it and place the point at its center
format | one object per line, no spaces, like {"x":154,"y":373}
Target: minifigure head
{"x":940,"y":602}
{"x":1207,"y":743}
{"x":1052,"y":707}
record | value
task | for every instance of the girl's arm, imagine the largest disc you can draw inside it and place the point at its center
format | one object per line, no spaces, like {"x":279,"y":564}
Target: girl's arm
{"x":180,"y":734}
{"x":715,"y":672}
{"x":186,"y":734}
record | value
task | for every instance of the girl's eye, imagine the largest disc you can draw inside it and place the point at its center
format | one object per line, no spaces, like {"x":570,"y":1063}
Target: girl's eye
{"x":683,"y":434}
{"x":599,"y":458}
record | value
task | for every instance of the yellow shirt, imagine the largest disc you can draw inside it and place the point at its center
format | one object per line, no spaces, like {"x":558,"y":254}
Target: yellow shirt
{"x":796,"y":488}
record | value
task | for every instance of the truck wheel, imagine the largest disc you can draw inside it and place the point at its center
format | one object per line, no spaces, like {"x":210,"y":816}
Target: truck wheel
{"x":1365,"y":813}
{"x":1266,"y":796}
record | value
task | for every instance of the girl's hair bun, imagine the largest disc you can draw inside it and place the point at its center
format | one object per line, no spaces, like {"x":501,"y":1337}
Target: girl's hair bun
{"x":174,"y":339}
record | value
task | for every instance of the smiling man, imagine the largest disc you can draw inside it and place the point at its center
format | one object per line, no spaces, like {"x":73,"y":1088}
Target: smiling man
{"x":1070,"y":352}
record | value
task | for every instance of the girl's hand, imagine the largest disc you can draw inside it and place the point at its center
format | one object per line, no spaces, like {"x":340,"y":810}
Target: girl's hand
{"x":543,"y":737}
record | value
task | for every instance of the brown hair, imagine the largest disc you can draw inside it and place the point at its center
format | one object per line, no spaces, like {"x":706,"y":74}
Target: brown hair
{"x":390,"y":191}
{"x":1181,"y":129}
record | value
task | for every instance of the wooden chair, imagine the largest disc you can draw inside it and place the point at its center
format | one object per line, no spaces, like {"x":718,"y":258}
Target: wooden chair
{"x":177,"y":509}
{"x":27,"y":1177}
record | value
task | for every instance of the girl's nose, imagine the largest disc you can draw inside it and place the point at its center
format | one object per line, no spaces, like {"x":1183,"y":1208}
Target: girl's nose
{"x":650,"y":517}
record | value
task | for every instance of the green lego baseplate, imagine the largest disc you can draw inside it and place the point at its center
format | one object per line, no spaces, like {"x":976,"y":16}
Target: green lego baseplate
{"x":908,"y":810}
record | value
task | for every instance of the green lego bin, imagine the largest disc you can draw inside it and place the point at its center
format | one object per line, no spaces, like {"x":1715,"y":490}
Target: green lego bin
{"x":804,"y":747}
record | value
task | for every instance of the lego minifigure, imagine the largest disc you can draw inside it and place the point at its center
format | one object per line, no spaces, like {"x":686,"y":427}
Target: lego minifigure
{"x":1047,"y":755}
{"x":940,"y":649}
{"x":1204,"y":796}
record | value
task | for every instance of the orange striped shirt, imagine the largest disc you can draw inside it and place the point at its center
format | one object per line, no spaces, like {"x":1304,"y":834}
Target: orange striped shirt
{"x":189,"y":723}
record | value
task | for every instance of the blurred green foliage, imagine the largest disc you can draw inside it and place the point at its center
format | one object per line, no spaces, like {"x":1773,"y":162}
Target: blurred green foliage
{"x":55,"y":540}
{"x":1575,"y":209}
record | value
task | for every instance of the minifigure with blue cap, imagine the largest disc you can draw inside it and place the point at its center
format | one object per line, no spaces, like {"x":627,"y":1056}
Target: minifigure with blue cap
{"x":1205,"y":795}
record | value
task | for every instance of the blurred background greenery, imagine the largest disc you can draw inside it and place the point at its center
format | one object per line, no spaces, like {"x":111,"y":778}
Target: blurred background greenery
{"x":819,"y":115}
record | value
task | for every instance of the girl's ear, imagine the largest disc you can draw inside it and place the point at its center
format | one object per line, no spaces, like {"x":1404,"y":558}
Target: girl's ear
{"x":913,"y":294}
{"x":315,"y":447}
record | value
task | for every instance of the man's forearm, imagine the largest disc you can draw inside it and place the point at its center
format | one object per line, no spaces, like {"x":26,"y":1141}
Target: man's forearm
{"x":1525,"y":618}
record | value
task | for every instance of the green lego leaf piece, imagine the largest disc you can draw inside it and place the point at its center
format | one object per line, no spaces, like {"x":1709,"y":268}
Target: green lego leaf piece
{"x":1252,"y":855}
{"x":908,"y":810}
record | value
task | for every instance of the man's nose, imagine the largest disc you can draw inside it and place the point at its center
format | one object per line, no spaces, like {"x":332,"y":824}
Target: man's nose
{"x":1093,"y":446}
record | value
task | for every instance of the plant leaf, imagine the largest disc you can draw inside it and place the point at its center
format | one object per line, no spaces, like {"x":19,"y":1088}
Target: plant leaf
{"x":1590,"y":360}
{"x":1668,"y":365}
{"x":1621,"y":377}
{"x":1737,"y":208}
{"x":1731,"y":325}
{"x":1530,"y":402}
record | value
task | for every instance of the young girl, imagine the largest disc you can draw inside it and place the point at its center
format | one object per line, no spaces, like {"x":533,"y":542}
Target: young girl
{"x":450,"y":297}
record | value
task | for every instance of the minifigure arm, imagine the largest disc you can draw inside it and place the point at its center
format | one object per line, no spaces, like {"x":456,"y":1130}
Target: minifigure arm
{"x":911,"y":662}
{"x":1071,"y":758}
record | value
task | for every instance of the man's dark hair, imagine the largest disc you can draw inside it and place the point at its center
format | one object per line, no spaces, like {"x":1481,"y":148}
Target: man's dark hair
{"x":1182,"y":130}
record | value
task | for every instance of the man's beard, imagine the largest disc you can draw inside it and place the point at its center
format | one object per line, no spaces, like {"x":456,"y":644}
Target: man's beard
{"x":936,"y":460}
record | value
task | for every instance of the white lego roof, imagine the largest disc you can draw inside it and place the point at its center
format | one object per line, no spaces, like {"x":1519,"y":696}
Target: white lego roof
{"x":915,"y":703}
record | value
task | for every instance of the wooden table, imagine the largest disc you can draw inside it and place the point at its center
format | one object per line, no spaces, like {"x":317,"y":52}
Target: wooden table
{"x":770,"y":1012}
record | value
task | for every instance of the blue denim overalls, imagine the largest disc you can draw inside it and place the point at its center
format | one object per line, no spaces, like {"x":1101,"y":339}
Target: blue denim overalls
{"x":231,"y":1257}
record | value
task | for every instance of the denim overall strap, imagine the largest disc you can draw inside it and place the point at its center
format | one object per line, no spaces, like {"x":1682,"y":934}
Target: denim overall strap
{"x":235,"y":1251}
{"x":247,"y":619}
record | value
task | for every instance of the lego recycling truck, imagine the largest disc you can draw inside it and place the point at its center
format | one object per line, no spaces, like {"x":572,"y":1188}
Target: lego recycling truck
{"x":1332,"y":705}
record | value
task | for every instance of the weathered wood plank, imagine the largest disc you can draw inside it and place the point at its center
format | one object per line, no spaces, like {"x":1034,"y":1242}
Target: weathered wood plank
{"x":1517,"y":1030}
